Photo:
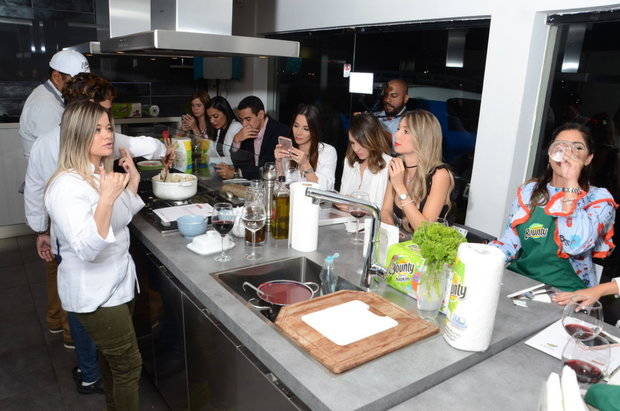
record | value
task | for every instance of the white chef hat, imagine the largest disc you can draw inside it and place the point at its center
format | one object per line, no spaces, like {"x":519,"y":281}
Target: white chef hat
{"x":69,"y":62}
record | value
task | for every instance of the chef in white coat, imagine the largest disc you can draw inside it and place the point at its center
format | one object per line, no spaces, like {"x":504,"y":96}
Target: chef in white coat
{"x":41,"y":166}
{"x":44,"y":106}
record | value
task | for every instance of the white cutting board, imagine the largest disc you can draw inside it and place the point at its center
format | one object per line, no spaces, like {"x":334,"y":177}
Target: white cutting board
{"x":349,"y":322}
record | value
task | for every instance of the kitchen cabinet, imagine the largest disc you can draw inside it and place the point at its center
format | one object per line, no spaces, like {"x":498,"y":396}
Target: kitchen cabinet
{"x":192,"y":359}
{"x":222,"y":373}
{"x":168,"y":340}
{"x":158,"y":320}
{"x":12,"y":174}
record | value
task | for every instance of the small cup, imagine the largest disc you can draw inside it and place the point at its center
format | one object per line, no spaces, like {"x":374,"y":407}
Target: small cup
{"x":191,"y":225}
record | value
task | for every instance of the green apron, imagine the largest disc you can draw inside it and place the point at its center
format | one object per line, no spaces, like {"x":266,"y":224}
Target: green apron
{"x":538,"y":257}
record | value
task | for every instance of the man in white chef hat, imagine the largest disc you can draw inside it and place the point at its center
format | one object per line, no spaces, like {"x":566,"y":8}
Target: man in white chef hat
{"x":41,"y":113}
{"x":44,"y":106}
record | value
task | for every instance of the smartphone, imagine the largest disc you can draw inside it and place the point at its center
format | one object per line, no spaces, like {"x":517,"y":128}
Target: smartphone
{"x":285,"y":142}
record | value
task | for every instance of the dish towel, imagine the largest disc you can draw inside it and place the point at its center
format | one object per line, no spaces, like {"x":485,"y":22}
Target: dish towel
{"x":604,"y":397}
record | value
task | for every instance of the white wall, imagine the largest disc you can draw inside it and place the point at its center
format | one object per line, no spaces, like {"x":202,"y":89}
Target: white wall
{"x":514,"y":83}
{"x":254,"y":70}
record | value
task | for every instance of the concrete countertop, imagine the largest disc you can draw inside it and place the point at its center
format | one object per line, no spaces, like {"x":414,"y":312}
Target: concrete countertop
{"x":510,"y":380}
{"x":379,"y":384}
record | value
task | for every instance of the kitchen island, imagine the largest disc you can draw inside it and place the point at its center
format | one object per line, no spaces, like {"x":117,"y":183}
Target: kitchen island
{"x":378,"y":384}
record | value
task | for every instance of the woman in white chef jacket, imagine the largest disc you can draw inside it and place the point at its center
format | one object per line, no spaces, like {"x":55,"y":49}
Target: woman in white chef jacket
{"x":315,"y":161}
{"x":365,"y":166}
{"x":90,"y":209}
{"x":221,"y":128}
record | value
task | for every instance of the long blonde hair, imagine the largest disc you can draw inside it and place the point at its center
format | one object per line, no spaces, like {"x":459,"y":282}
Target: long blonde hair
{"x":427,"y":141}
{"x":77,"y":129}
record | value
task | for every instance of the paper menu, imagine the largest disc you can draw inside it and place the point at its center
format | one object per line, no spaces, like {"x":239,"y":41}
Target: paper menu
{"x":552,"y":340}
{"x":170,"y":214}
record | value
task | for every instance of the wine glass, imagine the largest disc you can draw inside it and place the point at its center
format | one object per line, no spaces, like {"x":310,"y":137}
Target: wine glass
{"x":223,"y":221}
{"x":358,"y":212}
{"x":291,"y":174}
{"x":590,"y":359}
{"x":253,"y":217}
{"x":582,"y":322}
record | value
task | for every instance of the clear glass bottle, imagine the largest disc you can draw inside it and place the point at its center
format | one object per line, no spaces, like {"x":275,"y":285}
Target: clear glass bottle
{"x":328,"y":276}
{"x":282,"y":198}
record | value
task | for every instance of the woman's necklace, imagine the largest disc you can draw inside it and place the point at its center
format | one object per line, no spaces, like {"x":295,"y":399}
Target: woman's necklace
{"x":410,"y":175}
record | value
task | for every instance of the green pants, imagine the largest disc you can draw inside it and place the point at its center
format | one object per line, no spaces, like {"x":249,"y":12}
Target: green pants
{"x":111,"y":328}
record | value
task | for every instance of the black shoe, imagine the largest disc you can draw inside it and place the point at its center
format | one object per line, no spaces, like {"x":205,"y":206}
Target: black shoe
{"x":95,"y":388}
{"x":77,"y":375}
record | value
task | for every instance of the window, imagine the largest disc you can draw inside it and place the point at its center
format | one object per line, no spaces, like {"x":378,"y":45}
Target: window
{"x":443,"y":64}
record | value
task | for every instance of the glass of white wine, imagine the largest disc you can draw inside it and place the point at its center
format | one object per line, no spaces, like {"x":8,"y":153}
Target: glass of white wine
{"x":253,"y":217}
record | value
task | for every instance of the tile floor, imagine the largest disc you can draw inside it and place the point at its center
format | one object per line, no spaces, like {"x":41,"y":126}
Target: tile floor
{"x":35,"y":368}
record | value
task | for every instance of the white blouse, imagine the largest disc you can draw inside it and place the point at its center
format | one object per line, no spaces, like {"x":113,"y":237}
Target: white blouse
{"x":214,"y":156}
{"x":372,"y":183}
{"x":94,"y":271}
{"x":44,"y":162}
{"x":326,"y":166}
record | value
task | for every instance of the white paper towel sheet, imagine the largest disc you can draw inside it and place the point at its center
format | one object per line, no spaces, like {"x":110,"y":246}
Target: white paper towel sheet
{"x":169,"y":214}
{"x":303,"y":218}
{"x":349,"y":322}
{"x":474,"y":294}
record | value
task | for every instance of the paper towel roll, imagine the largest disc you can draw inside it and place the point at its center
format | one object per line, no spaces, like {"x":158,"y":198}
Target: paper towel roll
{"x":474,"y":293}
{"x":303,"y":218}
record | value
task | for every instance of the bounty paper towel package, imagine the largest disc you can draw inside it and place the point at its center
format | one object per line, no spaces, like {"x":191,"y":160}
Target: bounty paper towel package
{"x":404,"y":266}
{"x":474,"y":294}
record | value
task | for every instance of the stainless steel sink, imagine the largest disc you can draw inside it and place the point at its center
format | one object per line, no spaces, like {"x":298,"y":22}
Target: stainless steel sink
{"x":297,"y":269}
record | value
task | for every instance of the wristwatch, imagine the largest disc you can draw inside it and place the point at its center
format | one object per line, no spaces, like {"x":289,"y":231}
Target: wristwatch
{"x":403,"y":196}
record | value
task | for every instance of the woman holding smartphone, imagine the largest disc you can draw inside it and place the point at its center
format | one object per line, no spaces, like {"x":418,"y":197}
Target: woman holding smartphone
{"x":197,"y":123}
{"x":315,"y":161}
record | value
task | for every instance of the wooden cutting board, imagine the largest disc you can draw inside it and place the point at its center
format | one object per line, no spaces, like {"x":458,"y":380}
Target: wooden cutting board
{"x":339,"y":358}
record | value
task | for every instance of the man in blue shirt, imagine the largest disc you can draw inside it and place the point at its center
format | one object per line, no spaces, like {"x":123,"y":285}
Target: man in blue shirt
{"x":394,"y":104}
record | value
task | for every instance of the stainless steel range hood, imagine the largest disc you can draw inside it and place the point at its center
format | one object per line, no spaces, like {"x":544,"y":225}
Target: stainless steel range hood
{"x":182,"y":43}
{"x":176,"y":28}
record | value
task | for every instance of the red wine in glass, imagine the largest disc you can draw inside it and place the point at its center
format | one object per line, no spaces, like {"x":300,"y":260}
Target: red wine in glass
{"x":586,"y":372}
{"x":223,"y":226}
{"x":578,"y":331}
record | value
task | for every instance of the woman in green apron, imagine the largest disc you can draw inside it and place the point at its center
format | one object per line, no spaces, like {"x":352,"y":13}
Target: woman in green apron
{"x":558,"y":221}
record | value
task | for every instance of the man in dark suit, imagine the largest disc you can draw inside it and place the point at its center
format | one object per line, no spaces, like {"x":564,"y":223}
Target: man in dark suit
{"x":254,"y":144}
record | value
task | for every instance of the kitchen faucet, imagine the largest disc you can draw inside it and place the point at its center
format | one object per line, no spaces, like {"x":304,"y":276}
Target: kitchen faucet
{"x":369,"y":268}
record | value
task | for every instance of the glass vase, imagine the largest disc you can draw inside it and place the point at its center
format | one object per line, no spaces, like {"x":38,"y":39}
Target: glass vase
{"x":431,"y":292}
